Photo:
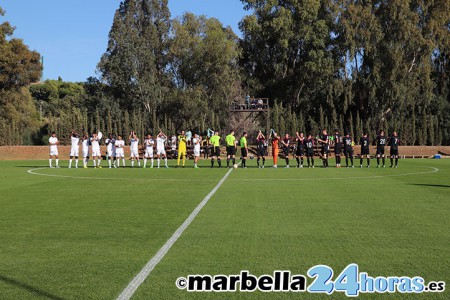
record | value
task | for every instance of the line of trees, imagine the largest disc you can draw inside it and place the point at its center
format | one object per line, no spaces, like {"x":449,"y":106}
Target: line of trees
{"x":18,"y":68}
{"x":351,"y":65}
{"x":357,"y":65}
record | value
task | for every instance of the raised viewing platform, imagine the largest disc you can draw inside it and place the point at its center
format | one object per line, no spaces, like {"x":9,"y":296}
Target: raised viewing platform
{"x":251,"y":105}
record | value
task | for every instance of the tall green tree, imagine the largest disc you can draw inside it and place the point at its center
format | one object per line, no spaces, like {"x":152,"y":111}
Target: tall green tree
{"x":286,"y":51}
{"x":389,"y":48}
{"x":134,"y":64}
{"x":19,"y":66}
{"x":203,"y":57}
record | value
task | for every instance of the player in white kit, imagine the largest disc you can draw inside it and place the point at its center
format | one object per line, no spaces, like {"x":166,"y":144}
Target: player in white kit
{"x":111,"y":149}
{"x":53,"y":142}
{"x":96,"y":154}
{"x":161,"y":148}
{"x":134,"y":148}
{"x":149,"y":143}
{"x":197,"y":144}
{"x":85,"y":149}
{"x":119,"y":146}
{"x":74,"y":148}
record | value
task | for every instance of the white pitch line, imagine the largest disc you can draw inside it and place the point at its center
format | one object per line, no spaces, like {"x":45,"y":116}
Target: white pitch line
{"x":148,"y":268}
{"x":337,"y":178}
{"x":32,"y":171}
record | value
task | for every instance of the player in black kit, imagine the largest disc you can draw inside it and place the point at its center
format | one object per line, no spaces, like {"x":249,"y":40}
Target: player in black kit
{"x":337,"y":148}
{"x":324,"y":140}
{"x":348,"y":149}
{"x":394,"y":141}
{"x":365,"y":151}
{"x":381,"y":143}
{"x":261,"y":149}
{"x":300,"y":152}
{"x":286,"y":144}
{"x":310,"y":150}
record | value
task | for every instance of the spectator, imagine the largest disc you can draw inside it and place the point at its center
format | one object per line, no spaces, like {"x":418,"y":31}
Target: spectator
{"x":260,"y":104}
{"x":247,"y":101}
{"x":189,"y":138}
{"x":173,"y":145}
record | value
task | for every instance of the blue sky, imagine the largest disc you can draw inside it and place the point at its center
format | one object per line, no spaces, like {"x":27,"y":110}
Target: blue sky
{"x":72,"y":34}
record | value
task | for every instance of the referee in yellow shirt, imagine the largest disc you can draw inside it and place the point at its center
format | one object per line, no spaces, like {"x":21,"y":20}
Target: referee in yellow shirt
{"x":244,"y":149}
{"x":181,"y":148}
{"x":231,"y":148}
{"x":215,"y":142}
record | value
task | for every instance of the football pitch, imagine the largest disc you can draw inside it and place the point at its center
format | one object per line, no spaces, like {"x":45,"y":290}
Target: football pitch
{"x":86,"y":233}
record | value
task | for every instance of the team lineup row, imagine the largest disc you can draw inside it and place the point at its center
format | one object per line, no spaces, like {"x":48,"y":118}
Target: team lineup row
{"x":303,"y":147}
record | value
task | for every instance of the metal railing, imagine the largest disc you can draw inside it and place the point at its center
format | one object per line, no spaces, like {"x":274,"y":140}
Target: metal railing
{"x":253,"y":104}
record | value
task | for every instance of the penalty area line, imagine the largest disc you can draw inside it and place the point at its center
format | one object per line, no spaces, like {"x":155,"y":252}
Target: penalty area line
{"x":128,"y":292}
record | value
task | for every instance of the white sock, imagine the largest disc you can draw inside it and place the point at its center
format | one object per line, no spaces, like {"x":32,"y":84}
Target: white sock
{"x":70,"y":163}
{"x":152,"y":162}
{"x":165,"y":161}
{"x":57,"y":162}
{"x":157,"y":161}
{"x":99,"y":161}
{"x":118,"y":162}
{"x":50,"y":162}
{"x":76,"y":163}
{"x":109,"y":163}
{"x":139,"y":163}
{"x":145,"y":162}
{"x":95,"y":163}
{"x":123,"y":161}
{"x":132,"y":163}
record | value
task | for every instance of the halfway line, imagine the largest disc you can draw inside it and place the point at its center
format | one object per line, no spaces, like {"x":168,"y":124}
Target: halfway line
{"x":148,"y":268}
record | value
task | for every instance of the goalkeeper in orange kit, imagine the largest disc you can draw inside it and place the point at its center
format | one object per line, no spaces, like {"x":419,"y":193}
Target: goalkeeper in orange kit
{"x":275,"y":147}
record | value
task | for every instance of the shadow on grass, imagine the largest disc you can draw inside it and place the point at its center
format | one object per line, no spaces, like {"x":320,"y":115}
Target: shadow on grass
{"x":431,"y":185}
{"x":29,"y":288}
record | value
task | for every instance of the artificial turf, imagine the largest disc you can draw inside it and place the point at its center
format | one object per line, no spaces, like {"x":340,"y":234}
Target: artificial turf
{"x":87,"y":235}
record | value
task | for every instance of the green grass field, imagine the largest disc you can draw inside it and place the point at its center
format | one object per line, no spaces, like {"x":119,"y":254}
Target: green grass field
{"x":85,"y":233}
